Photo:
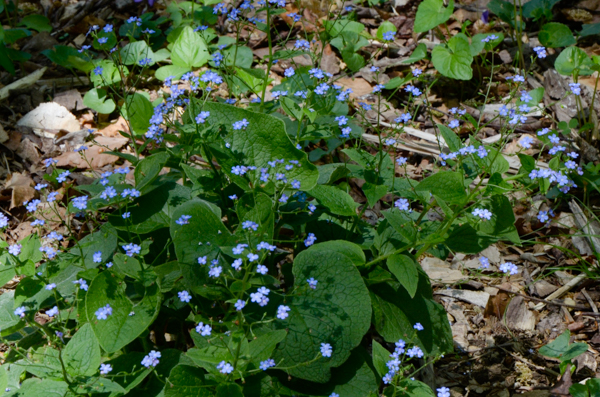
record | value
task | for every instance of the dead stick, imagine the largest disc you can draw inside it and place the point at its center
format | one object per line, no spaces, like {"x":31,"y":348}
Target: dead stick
{"x":541,"y":300}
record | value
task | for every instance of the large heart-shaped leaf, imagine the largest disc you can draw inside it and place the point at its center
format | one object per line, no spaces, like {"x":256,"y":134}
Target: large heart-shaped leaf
{"x":128,"y":319}
{"x":454,"y":60}
{"x":189,"y":50}
{"x":431,"y":13}
{"x":263,"y":140}
{"x":82,"y":354}
{"x":338,"y":312}
{"x":554,"y":34}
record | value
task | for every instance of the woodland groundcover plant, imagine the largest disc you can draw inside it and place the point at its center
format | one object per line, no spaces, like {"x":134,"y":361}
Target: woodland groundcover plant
{"x":247,"y":269}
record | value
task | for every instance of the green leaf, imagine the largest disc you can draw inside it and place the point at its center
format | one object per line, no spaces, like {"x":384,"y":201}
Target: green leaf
{"x":467,"y":240}
{"x":30,"y":249}
{"x":395,"y":313}
{"x":453,"y":60}
{"x":337,"y":312}
{"x":554,"y":34}
{"x":243,"y":58}
{"x":538,"y":9}
{"x":334,"y":199}
{"x":448,"y":185}
{"x":138,"y":110}
{"x":48,"y":388}
{"x":570,"y":59}
{"x":205,"y":226}
{"x":336,"y":27}
{"x":148,"y":169}
{"x":134,"y":52}
{"x":258,"y":208}
{"x":262,"y":347}
{"x":450,"y":137}
{"x":505,"y":11}
{"x":380,"y":357}
{"x":96,"y":385}
{"x":527,"y":162}
{"x":397,"y":82}
{"x":229,"y":390}
{"x":5,"y":61}
{"x":353,"y":60}
{"x":31,"y":293}
{"x":120,"y":328}
{"x":419,"y":53}
{"x":110,"y":73}
{"x":502,"y":220}
{"x":385,"y":27}
{"x":9,"y":322}
{"x":187,"y":381}
{"x":97,"y":100}
{"x":563,"y":350}
{"x":404,"y":267}
{"x":3,"y":377}
{"x":153,"y":210}
{"x":329,"y":173}
{"x":478,"y":45}
{"x":579,"y":390}
{"x":37,"y":22}
{"x":170,"y":70}
{"x":262,"y":141}
{"x":432,"y":13}
{"x":594,"y":386}
{"x":82,"y":354}
{"x":374,"y":192}
{"x":130,"y":363}
{"x":350,"y":250}
{"x":103,"y":240}
{"x":253,"y":78}
{"x":415,"y":388}
{"x":355,"y":378}
{"x":189,"y":50}
{"x":402,"y":223}
{"x":589,"y":30}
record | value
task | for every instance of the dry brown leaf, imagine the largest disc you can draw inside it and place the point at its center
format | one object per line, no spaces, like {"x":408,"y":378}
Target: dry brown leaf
{"x":330,"y":62}
{"x":112,"y":130}
{"x":359,"y":86}
{"x":94,"y":154}
{"x":22,"y":189}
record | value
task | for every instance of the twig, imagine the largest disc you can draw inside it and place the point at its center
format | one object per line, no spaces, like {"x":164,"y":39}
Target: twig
{"x":544,"y":301}
{"x":592,"y":304}
{"x":24,"y":82}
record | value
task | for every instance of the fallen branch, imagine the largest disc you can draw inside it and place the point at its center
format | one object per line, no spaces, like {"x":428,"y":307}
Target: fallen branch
{"x":24,"y":82}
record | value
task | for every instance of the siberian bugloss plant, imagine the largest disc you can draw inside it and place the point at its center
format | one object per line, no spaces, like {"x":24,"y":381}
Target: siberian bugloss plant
{"x":219,"y":259}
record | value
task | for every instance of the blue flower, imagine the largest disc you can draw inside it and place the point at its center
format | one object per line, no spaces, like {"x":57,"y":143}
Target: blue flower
{"x":482,"y":213}
{"x":184,"y":296}
{"x":240,"y":125}
{"x":540,"y":51}
{"x":302,"y":44}
{"x":321,"y":89}
{"x":131,"y":249}
{"x":289,"y":72}
{"x":310,"y":240}
{"x":183,"y":220}
{"x":201,"y":118}
{"x":389,"y":36}
{"x":282,"y":314}
{"x":326,"y":349}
